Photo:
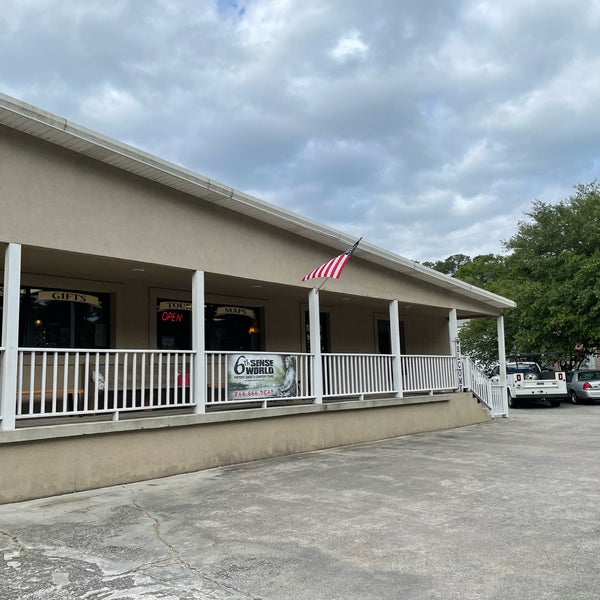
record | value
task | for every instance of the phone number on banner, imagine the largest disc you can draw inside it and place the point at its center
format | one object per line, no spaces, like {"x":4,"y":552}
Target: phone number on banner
{"x":253,"y":393}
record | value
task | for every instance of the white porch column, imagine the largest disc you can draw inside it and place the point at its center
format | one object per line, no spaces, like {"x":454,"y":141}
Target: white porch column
{"x":453,"y":331}
{"x":10,"y":335}
{"x":502,"y":361}
{"x":314,"y":318}
{"x":396,"y":348}
{"x":198,"y":344}
{"x":455,"y":347}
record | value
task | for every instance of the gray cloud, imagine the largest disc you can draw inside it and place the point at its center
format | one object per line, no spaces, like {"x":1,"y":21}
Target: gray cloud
{"x":429,"y":128}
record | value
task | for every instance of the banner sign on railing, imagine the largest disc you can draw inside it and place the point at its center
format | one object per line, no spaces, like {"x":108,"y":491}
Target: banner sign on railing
{"x":256,"y":376}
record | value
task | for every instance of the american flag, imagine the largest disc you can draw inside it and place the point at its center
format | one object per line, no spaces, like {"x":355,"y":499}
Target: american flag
{"x":332,"y":268}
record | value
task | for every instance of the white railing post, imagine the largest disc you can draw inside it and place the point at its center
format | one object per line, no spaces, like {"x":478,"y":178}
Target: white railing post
{"x":396,"y":348}
{"x":10,"y":335}
{"x":467,"y":367}
{"x":502,"y":362}
{"x":314,"y":318}
{"x":198,"y":345}
{"x":455,"y":348}
{"x":452,"y":330}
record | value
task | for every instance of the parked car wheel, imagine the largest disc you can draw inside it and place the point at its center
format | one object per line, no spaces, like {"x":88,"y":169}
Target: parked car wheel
{"x":512,"y":402}
{"x":573,"y":396}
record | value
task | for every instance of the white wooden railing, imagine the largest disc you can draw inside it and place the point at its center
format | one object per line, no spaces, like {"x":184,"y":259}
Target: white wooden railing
{"x":357,"y":374}
{"x":478,"y":382}
{"x":429,"y":373}
{"x":60,"y":381}
{"x":499,"y":401}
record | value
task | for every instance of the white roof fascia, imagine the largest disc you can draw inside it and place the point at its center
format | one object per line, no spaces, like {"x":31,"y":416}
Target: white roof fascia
{"x":58,"y":130}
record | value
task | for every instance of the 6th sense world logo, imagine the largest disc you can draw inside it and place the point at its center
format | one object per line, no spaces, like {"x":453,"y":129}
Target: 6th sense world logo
{"x":254,"y":366}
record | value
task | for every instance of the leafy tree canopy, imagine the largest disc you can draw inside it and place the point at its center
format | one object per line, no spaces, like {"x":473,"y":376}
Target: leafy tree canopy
{"x":552,"y":271}
{"x":555,"y":265}
{"x":450,"y":265}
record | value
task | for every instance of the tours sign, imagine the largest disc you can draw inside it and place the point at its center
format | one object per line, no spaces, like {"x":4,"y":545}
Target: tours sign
{"x":174,"y":305}
{"x":171,"y":310}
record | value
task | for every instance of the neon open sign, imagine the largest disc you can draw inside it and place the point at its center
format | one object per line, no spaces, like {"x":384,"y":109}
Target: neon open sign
{"x":171,"y":316}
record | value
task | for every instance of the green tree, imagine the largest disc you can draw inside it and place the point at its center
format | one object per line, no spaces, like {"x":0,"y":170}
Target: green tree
{"x":552,"y":272}
{"x":479,"y":337}
{"x":555,"y":265}
{"x":486,"y":271}
{"x":450,"y":265}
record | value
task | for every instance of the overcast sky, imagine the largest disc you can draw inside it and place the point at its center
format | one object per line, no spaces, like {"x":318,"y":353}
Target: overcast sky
{"x":426,"y":126}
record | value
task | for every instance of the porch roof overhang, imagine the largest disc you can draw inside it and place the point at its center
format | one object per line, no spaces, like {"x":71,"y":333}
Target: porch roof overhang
{"x":58,"y":130}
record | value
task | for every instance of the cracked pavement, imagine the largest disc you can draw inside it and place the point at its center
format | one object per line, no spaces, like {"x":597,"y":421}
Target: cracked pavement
{"x":503,"y":510}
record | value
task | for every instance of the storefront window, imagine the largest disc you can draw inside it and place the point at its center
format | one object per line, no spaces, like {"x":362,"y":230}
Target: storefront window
{"x":53,"y":318}
{"x":226,"y":327}
{"x":174,"y":324}
{"x":233,"y":327}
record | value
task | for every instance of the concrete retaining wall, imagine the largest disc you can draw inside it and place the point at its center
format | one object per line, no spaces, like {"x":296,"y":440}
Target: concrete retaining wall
{"x":56,"y":459}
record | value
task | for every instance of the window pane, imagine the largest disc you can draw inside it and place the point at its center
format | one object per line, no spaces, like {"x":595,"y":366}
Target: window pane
{"x":233,"y":327}
{"x":226,"y":327}
{"x":51,"y":318}
{"x":174,"y":324}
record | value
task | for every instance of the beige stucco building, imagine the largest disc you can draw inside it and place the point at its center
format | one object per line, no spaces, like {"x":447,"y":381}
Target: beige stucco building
{"x":132,"y":288}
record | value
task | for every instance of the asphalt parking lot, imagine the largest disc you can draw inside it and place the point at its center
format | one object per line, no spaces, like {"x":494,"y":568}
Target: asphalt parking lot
{"x":504,"y":510}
